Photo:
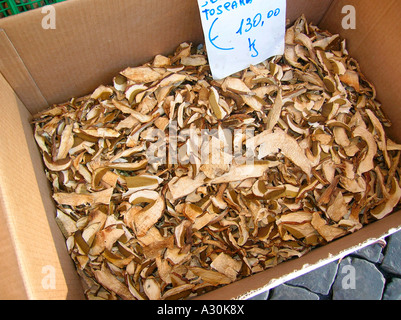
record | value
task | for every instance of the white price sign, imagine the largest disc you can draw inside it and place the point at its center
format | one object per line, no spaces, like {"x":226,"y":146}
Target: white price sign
{"x":240,"y":33}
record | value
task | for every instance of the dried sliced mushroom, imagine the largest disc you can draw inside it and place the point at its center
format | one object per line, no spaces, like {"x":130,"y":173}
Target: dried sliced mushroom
{"x":169,"y":184}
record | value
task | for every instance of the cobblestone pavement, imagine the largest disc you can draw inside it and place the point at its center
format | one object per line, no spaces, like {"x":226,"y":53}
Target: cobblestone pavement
{"x":370,"y":273}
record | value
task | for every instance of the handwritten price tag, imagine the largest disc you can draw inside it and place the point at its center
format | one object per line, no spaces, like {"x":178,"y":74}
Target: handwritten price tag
{"x":240,"y":33}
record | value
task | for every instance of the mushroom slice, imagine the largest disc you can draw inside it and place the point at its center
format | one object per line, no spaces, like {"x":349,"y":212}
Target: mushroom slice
{"x":328,"y":232}
{"x":272,"y":142}
{"x":183,"y":186}
{"x":100,"y":132}
{"x":78,"y":199}
{"x":141,"y":74}
{"x":134,"y":166}
{"x":353,"y":185}
{"x":296,"y":128}
{"x":242,"y":172}
{"x":214,"y":99}
{"x":192,"y":211}
{"x":120,"y":82}
{"x":204,"y":220}
{"x":291,"y":56}
{"x":102,"y":93}
{"x":132,"y":91}
{"x":66,"y":224}
{"x":340,"y":131}
{"x":95,"y":223}
{"x":218,"y":200}
{"x":146,"y":217}
{"x":381,"y":135}
{"x":351,"y":78}
{"x":152,"y":289}
{"x":299,"y":225}
{"x":392,"y":146}
{"x":195,"y":60}
{"x":295,"y":217}
{"x":41,"y":140}
{"x":105,"y":239}
{"x":128,"y":152}
{"x":176,"y":256}
{"x":338,"y":66}
{"x":161,"y":61}
{"x":275,"y":112}
{"x":324,"y":43}
{"x":388,"y":205}
{"x":213,"y":277}
{"x":153,"y":243}
{"x":143,"y":118}
{"x":174,"y":79}
{"x":330,"y":84}
{"x":338,"y":208}
{"x":181,"y":231}
{"x":59,"y":165}
{"x":97,"y":176}
{"x":252,"y":101}
{"x":226,"y":265}
{"x":66,"y":142}
{"x":215,"y":159}
{"x":367,"y":162}
{"x":110,"y":282}
{"x":236,"y":85}
{"x":178,"y":292}
{"x":141,"y":182}
{"x":164,"y":269}
{"x":306,"y":42}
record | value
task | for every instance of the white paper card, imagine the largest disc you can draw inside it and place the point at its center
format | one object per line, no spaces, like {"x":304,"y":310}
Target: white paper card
{"x":240,"y":33}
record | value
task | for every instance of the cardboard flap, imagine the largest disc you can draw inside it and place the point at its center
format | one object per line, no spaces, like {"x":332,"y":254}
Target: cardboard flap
{"x":11,"y":281}
{"x":15,"y":72}
{"x":40,"y":265}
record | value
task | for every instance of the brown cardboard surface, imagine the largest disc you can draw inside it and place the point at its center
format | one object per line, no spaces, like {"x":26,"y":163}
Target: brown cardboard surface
{"x":314,"y":10}
{"x":19,"y":75}
{"x":28,"y":212}
{"x":95,"y":39}
{"x":375,"y":45}
{"x":11,"y":281}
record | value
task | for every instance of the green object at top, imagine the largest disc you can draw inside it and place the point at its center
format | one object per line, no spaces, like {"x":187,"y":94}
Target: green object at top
{"x":12,"y":7}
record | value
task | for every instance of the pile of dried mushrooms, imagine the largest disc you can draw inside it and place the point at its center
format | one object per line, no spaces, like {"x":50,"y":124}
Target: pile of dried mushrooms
{"x":137,"y":228}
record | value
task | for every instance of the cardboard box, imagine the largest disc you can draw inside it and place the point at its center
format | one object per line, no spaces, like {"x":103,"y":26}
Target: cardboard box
{"x":95,"y":39}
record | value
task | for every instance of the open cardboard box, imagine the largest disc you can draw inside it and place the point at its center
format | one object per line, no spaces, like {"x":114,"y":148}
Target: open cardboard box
{"x":94,"y":40}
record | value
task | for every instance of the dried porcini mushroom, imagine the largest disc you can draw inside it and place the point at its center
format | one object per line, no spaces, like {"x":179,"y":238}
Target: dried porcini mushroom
{"x":169,"y":184}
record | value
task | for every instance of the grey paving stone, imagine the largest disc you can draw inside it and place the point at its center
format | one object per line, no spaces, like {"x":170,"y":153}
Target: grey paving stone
{"x":358,"y":279}
{"x":372,"y":253}
{"x":392,"y":257}
{"x":261,"y":296}
{"x":286,"y":292}
{"x":319,"y":280}
{"x":393,"y":290}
